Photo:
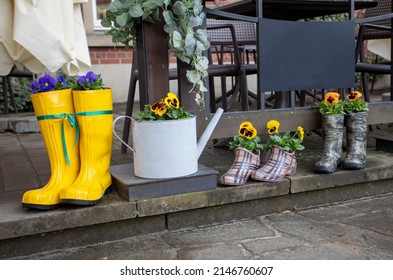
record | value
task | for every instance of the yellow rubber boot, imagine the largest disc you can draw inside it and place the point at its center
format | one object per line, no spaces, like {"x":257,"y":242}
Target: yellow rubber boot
{"x":93,"y":109}
{"x":52,"y":109}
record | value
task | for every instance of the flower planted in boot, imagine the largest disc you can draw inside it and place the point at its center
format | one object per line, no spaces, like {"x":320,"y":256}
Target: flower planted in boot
{"x":356,"y":131}
{"x":53,"y":106}
{"x":332,"y":110}
{"x":279,"y":165}
{"x":247,"y":159}
{"x":93,"y":110}
{"x":282,"y":160}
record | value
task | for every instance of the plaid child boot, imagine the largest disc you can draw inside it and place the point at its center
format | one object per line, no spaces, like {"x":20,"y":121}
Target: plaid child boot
{"x":244,"y":163}
{"x":279,"y":165}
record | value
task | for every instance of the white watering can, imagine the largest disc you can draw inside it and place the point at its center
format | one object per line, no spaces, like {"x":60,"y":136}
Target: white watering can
{"x":169,"y":148}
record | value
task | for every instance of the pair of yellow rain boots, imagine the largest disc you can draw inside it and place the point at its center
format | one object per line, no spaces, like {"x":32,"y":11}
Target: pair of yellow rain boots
{"x":76,"y":127}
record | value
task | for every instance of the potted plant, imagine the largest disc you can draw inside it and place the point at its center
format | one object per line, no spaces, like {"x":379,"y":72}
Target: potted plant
{"x":94,"y":113}
{"x":356,"y":131}
{"x":165,"y":141}
{"x":282,"y":160}
{"x":183,"y":22}
{"x":53,"y":105}
{"x":332,"y":112}
{"x":247,"y":155}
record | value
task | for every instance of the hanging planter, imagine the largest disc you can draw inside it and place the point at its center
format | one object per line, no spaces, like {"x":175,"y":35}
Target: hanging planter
{"x":183,"y":22}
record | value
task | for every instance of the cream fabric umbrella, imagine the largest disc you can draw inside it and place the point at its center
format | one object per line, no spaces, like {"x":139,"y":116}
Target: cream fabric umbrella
{"x":43,"y":36}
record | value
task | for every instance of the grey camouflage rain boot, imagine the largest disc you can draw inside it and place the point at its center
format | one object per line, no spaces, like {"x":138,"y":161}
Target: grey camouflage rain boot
{"x":333,"y":127}
{"x":356,"y":124}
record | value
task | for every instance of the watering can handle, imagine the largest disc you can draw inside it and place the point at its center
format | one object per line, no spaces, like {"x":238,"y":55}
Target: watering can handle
{"x":118,"y":137}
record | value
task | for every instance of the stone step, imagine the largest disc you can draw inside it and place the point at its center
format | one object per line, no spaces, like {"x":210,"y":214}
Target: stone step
{"x":24,"y":232}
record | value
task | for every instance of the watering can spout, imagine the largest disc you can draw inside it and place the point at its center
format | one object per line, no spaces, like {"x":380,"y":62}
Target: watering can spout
{"x":208,"y":131}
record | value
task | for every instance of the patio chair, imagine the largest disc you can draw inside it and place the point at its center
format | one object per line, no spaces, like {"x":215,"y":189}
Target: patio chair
{"x":375,"y":25}
{"x":297,"y":55}
{"x":221,"y":42}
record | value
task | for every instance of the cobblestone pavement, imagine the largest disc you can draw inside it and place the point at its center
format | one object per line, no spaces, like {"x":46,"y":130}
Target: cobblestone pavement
{"x":359,"y":230}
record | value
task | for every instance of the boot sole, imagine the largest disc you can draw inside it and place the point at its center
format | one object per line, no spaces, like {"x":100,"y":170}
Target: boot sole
{"x":40,"y":206}
{"x":82,"y":202}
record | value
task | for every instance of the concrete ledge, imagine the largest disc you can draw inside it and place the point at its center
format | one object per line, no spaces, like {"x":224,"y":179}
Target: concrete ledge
{"x":379,"y":166}
{"x":219,"y":196}
{"x":19,"y":123}
{"x":22,"y":222}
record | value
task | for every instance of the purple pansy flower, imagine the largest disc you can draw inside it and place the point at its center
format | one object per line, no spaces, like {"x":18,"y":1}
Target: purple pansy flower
{"x":91,"y":77}
{"x":62,"y":80}
{"x":35,"y":87}
{"x":81,"y":80}
{"x":46,"y":83}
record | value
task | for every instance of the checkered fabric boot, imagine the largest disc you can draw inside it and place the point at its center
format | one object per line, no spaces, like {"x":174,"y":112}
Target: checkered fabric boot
{"x":333,"y":128}
{"x":356,"y":125}
{"x":244,"y":163}
{"x":279,"y":165}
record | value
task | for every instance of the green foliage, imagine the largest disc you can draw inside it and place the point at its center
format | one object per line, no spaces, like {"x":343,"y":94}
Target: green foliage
{"x":288,"y":141}
{"x":243,"y":142}
{"x":355,"y":106}
{"x":331,"y":109}
{"x":183,"y":20}
{"x":22,"y":92}
{"x":171,"y":114}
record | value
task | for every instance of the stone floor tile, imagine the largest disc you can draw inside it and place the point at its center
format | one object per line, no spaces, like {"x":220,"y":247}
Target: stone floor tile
{"x":333,"y":250}
{"x":20,"y":182}
{"x":240,"y":230}
{"x":217,"y":251}
{"x":305,"y":228}
{"x":329,"y":213}
{"x":379,"y":221}
{"x":268,"y":245}
{"x":142,"y":248}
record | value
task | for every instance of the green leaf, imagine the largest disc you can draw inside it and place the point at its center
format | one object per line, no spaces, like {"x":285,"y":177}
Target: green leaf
{"x":122,"y":19}
{"x":136,"y":11}
{"x":193,"y":76}
{"x":168,"y":17}
{"x":115,"y":6}
{"x":179,"y":8}
{"x":202,"y":64}
{"x":105,"y":22}
{"x":190,"y":44}
{"x":176,"y":40}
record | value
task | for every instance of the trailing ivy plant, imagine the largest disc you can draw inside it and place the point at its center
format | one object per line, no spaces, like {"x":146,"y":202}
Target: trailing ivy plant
{"x":183,"y":22}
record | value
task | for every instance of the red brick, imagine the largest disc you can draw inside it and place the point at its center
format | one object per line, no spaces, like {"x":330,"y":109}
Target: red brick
{"x":126,"y":61}
{"x":110,"y":61}
{"x":100,"y":55}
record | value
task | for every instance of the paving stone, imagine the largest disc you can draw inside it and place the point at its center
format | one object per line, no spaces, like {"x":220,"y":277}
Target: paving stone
{"x":221,"y":251}
{"x":305,"y":228}
{"x":333,"y":250}
{"x":241,"y":230}
{"x":380,"y":203}
{"x":265,"y":246}
{"x":382,"y":222}
{"x":329,"y":213}
{"x":149,"y":247}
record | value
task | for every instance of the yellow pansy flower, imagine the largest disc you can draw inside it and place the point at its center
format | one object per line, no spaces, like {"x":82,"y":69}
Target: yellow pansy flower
{"x":273,"y":126}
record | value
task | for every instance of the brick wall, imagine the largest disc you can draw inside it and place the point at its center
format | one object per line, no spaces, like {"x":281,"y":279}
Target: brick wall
{"x":109,"y":55}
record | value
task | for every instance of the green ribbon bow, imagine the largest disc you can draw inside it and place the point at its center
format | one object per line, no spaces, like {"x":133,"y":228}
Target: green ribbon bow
{"x":73,"y":123}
